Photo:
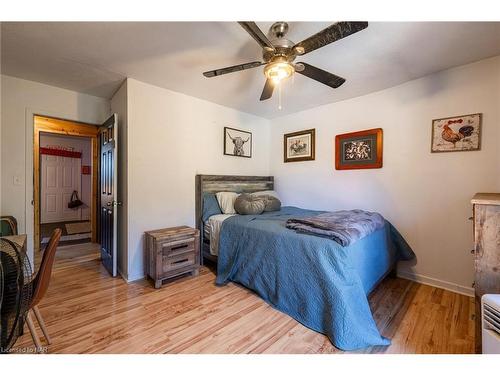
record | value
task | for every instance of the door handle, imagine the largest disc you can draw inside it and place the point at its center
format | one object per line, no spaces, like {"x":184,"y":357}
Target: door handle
{"x":114,"y":203}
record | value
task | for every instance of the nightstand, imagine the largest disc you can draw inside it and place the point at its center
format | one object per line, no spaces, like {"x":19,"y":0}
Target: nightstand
{"x":172,"y":252}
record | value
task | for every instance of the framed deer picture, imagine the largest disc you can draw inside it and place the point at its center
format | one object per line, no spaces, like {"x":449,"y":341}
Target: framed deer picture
{"x":237,"y":142}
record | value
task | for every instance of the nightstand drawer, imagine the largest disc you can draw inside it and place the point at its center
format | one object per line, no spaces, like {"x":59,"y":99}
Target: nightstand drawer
{"x":172,"y":249}
{"x":179,"y":261}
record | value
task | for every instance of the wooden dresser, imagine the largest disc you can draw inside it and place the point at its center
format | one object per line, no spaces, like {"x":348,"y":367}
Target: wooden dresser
{"x":486,"y":216}
{"x":171,"y":252}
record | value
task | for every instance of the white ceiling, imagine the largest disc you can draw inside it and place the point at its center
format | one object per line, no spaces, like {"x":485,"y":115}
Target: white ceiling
{"x":94,"y":58}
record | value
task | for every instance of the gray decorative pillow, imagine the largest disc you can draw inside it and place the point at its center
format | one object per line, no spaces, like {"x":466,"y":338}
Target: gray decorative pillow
{"x":247,"y":204}
{"x":272,"y":203}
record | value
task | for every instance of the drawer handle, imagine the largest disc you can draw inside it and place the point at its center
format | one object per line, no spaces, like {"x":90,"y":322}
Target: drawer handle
{"x":472,"y":251}
{"x":180,"y":246}
{"x":179,"y":242}
{"x":181,"y":261}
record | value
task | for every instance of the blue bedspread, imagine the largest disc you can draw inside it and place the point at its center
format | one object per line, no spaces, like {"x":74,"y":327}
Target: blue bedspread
{"x":313,"y":279}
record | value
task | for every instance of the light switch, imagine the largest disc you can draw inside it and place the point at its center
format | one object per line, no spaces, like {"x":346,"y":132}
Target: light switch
{"x":17,"y":180}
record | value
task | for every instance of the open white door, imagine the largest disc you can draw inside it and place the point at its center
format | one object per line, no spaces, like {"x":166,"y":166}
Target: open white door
{"x":108,"y":140}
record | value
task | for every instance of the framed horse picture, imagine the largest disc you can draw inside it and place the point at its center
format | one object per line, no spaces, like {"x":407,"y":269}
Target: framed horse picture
{"x":359,"y":150}
{"x":237,"y":142}
{"x":299,"y":146}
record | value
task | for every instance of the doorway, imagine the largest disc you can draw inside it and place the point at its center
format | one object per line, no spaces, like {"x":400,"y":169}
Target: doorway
{"x":65,"y":187}
{"x":103,"y":172}
{"x":65,"y":169}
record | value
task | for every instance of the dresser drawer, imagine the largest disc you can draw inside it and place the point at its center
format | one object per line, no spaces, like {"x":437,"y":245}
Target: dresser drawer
{"x":175,"y":248}
{"x":172,"y":263}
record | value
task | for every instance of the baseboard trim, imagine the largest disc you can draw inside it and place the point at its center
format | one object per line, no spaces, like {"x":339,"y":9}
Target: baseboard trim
{"x":437,"y":283}
{"x":135,"y":278}
{"x":404,"y":275}
{"x":122,"y":274}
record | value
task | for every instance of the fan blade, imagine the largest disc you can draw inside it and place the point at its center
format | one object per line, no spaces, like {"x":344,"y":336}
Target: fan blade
{"x":257,"y":34}
{"x":268,"y":90}
{"x":320,"y":75}
{"x":232,"y":69}
{"x":329,"y":35}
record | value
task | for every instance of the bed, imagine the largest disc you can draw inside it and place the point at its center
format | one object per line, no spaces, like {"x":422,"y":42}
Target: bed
{"x":312,"y":279}
{"x":211,"y":231}
{"x":215,"y":183}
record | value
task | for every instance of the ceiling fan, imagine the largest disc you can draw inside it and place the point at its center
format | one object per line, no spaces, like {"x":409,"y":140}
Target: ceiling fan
{"x":279,"y":53}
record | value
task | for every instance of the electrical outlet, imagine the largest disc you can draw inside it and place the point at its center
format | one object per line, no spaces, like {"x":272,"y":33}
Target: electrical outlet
{"x":17,"y":180}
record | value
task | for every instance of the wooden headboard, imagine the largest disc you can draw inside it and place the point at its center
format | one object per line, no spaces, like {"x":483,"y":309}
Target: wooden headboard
{"x":215,"y":183}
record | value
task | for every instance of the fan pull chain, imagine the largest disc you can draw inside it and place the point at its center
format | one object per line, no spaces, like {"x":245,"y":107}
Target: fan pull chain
{"x":279,"y":96}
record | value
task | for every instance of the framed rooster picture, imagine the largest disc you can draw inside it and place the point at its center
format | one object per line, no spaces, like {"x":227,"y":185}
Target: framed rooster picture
{"x":459,"y":133}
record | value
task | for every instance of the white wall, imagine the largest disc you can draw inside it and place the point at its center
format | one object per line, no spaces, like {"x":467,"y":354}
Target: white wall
{"x":167,"y":138}
{"x":78,"y":144}
{"x":119,"y":105}
{"x":426,"y":196}
{"x":20,"y":100}
{"x":171,"y":138}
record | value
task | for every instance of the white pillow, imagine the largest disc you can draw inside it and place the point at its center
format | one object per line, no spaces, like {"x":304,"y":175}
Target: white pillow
{"x":272,"y":193}
{"x":226,"y":201}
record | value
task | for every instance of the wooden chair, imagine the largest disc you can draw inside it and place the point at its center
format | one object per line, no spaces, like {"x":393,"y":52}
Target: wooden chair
{"x":40,"y":286}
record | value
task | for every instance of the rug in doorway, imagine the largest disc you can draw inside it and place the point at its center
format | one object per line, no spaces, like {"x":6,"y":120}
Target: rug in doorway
{"x":76,"y":228}
{"x":69,"y":237}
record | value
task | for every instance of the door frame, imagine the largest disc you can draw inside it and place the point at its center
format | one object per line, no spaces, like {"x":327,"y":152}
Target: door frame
{"x":52,"y":125}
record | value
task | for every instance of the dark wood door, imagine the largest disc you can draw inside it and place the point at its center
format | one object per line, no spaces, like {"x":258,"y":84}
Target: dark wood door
{"x":108,"y":188}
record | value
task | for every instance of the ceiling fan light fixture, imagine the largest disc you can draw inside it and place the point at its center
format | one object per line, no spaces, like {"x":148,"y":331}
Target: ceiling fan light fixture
{"x":278,"y":71}
{"x":279,"y":53}
{"x":299,"y":50}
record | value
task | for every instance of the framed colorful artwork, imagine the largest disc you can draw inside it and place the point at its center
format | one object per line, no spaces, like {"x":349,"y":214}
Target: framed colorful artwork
{"x":459,"y":133}
{"x":359,"y":150}
{"x":237,"y":143}
{"x":299,"y":146}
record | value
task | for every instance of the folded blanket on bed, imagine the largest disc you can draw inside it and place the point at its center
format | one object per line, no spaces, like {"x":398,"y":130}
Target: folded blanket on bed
{"x":344,"y":227}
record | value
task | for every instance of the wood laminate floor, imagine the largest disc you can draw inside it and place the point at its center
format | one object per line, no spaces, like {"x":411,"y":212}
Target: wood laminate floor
{"x":86,"y":311}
